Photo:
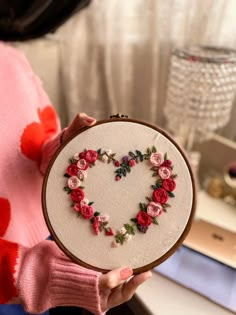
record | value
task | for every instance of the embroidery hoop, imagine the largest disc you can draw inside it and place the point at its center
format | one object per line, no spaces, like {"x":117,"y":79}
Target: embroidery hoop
{"x":74,"y":236}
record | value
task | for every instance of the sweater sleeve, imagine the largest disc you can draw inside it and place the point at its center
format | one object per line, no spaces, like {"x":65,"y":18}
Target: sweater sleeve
{"x":42,"y":277}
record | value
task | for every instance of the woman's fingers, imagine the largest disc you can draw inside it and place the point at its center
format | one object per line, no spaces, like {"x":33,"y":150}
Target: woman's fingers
{"x":117,"y":288}
{"x":81,"y":120}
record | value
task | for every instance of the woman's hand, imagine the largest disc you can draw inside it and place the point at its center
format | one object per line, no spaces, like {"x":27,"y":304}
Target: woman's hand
{"x":118,"y":286}
{"x":81,"y":120}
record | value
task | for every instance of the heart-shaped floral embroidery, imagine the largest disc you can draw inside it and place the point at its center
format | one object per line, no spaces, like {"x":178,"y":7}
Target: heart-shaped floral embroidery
{"x":148,"y":212}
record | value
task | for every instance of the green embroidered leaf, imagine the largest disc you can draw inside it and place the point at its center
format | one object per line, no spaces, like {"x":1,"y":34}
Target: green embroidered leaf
{"x":90,"y":204}
{"x":82,"y":187}
{"x":154,"y":221}
{"x":154,"y":174}
{"x":118,"y":171}
{"x":131,"y":154}
{"x":166,"y":205}
{"x":141,"y":158}
{"x":96,"y":213}
{"x":129,"y":228}
{"x":165,"y":156}
{"x":149,"y":151}
{"x":120,"y":238}
{"x":148,"y":198}
{"x":154,"y":149}
{"x":154,"y":168}
{"x":139,"y":153}
{"x":73,"y":161}
{"x":99,"y":151}
{"x":67,"y":189}
{"x":134,"y":220}
{"x":172,"y":195}
{"x":174,"y":176}
{"x":142,"y":206}
{"x":66,"y":175}
{"x":92,"y":220}
{"x":154,"y":187}
{"x":159,"y":182}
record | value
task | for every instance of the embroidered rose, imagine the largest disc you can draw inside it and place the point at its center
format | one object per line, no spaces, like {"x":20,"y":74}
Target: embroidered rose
{"x":82,"y":164}
{"x":132,"y":163}
{"x":104,"y":158}
{"x":81,"y":174}
{"x":73,"y":182}
{"x":87,"y":212}
{"x":80,"y":205}
{"x":96,"y":225}
{"x":77,"y":207}
{"x":156,"y":159}
{"x":169,"y":184}
{"x":72,"y":170}
{"x":82,"y":155}
{"x":91,"y":156}
{"x":160,"y":195}
{"x":154,"y":209}
{"x":164,"y":172}
{"x":167,"y":163}
{"x":103,"y":218}
{"x":77,"y":195}
{"x":143,"y":218}
{"x":109,"y":232}
{"x":76,"y":156}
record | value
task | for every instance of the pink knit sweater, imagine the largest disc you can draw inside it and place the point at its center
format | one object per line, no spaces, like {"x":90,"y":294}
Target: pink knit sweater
{"x":33,"y":272}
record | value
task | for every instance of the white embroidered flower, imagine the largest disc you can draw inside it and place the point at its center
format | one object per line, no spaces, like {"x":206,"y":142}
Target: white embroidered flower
{"x":108,"y":151}
{"x":154,"y":209}
{"x":127,"y":237}
{"x":123,"y":230}
{"x":156,"y":159}
{"x":73,"y":182}
{"x":103,"y":218}
{"x":81,"y":174}
{"x":104,"y":158}
{"x":164,"y":172}
{"x":76,"y":156}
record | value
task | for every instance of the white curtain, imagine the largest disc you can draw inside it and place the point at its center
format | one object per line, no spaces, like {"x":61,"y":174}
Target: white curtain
{"x":115,"y":54}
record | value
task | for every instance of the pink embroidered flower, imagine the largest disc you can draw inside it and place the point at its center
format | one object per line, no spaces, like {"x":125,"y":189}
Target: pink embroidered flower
{"x":109,"y":232}
{"x":164,"y":172}
{"x":73,"y":182}
{"x":81,"y":174}
{"x":160,"y":195}
{"x":132,"y":163}
{"x":77,"y":195}
{"x":169,"y":184}
{"x":82,"y":164}
{"x":154,"y":209}
{"x":91,"y":156}
{"x":143,"y":218}
{"x":87,"y":212}
{"x":77,"y":207}
{"x":72,"y":170}
{"x":103,"y":218}
{"x":156,"y":159}
{"x":114,"y":244}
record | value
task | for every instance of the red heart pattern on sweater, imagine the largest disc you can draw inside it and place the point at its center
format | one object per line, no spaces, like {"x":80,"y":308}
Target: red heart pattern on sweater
{"x":36,"y":133}
{"x":5,"y":214}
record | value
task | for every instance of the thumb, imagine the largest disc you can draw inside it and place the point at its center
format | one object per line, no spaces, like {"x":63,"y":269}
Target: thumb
{"x":114,"y":278}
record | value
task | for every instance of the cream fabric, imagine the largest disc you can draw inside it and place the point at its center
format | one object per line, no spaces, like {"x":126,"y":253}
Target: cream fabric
{"x":120,"y":199}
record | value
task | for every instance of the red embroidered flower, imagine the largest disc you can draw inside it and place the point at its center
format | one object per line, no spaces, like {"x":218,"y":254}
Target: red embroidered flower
{"x":82,"y":155}
{"x":109,"y":232}
{"x":117,"y":163}
{"x":77,"y":195}
{"x":143,"y":218}
{"x":169,"y":184}
{"x":160,"y":195}
{"x":167,"y":163}
{"x":87,"y":212}
{"x":96,"y":225}
{"x":91,"y":156}
{"x":132,"y":163}
{"x":72,"y":170}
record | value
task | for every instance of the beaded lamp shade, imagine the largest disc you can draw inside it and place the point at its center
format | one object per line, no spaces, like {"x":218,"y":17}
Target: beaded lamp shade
{"x":120,"y":193}
{"x":201,"y":89}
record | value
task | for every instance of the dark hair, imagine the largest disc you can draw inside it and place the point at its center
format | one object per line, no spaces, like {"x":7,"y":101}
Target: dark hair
{"x":27,"y":19}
